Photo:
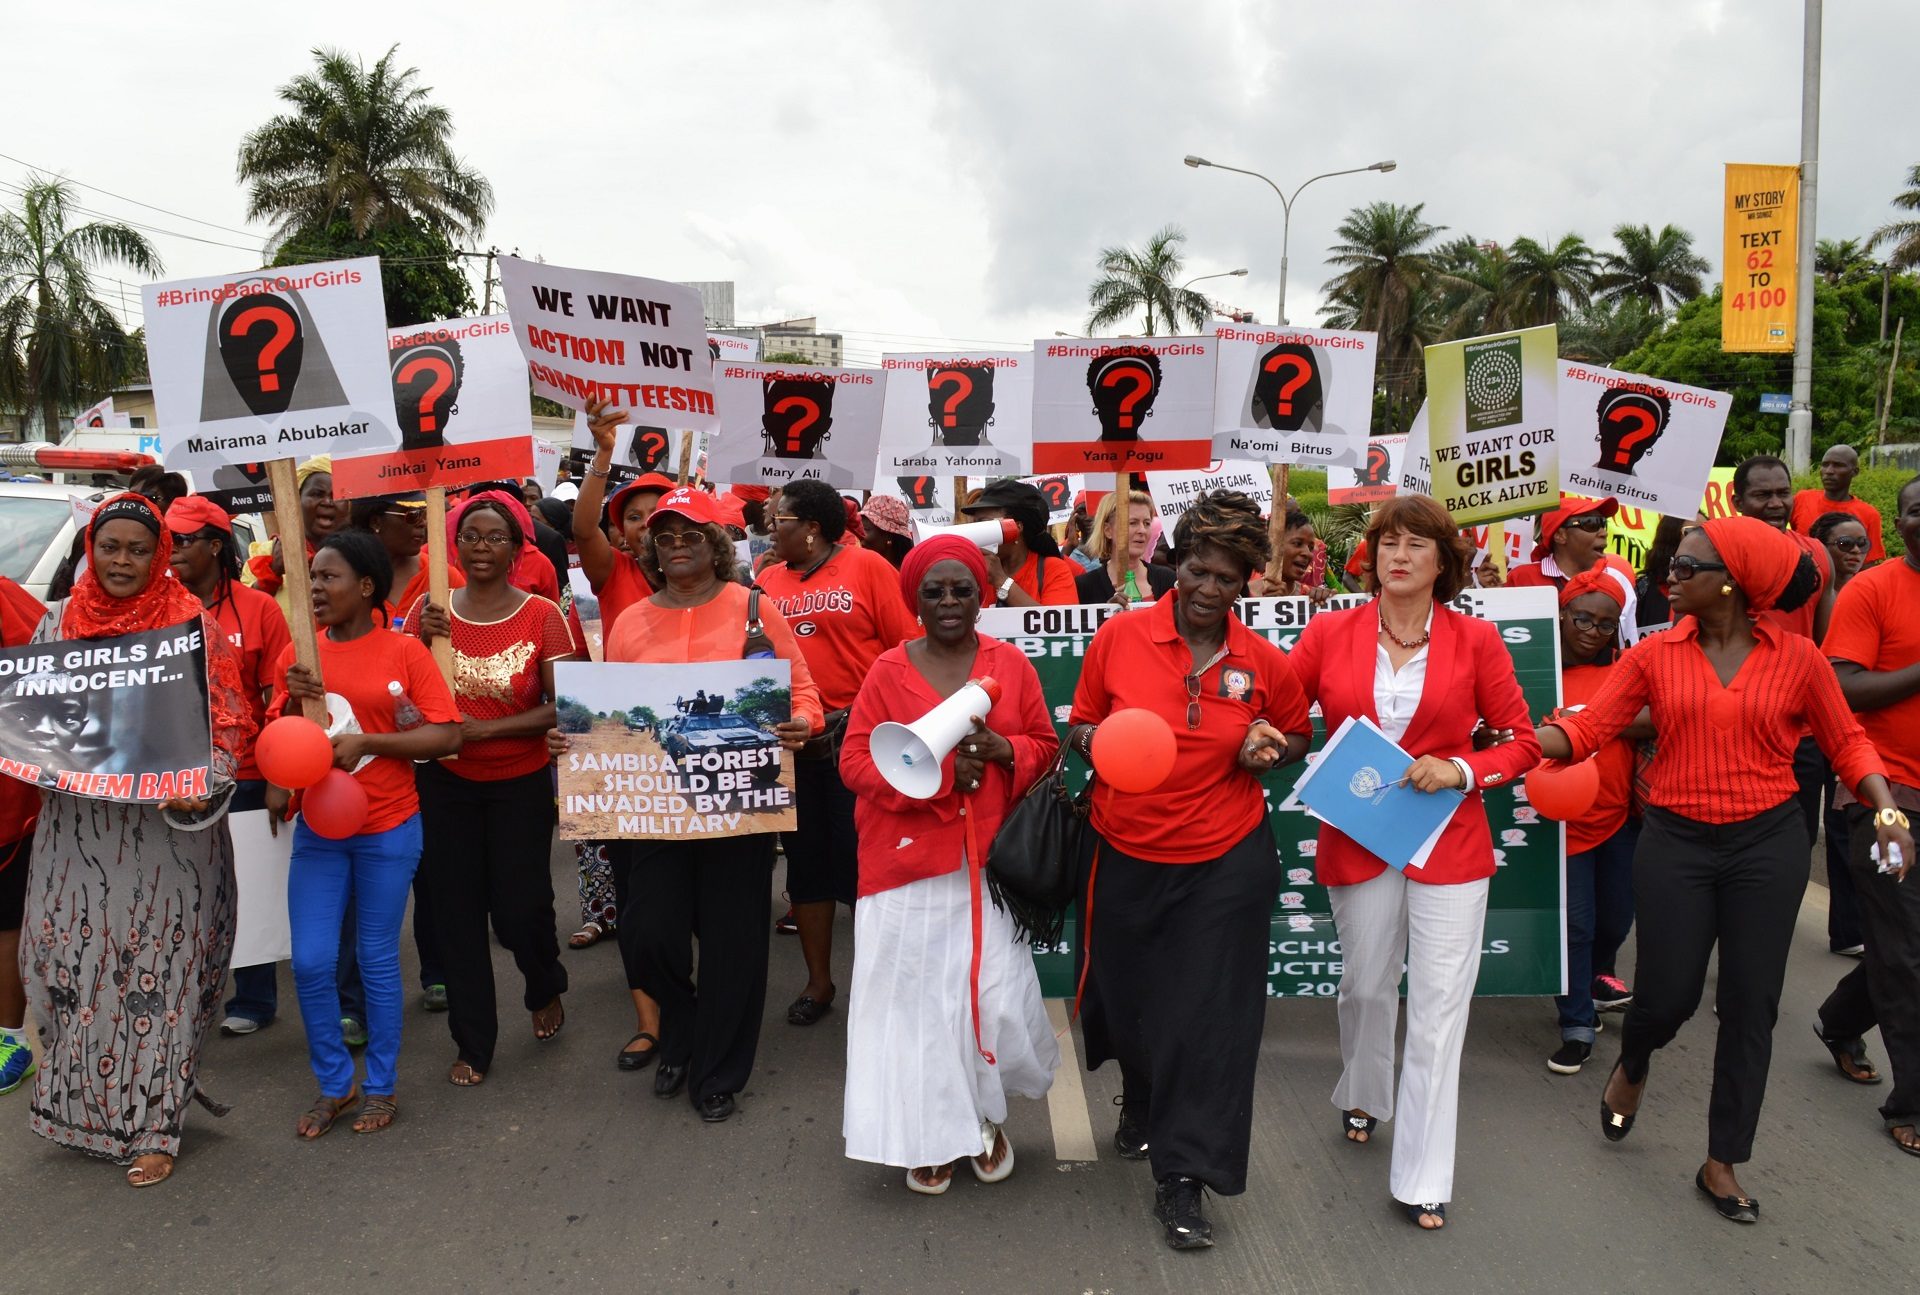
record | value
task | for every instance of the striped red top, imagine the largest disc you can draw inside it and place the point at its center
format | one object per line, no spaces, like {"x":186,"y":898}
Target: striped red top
{"x":1726,"y":752}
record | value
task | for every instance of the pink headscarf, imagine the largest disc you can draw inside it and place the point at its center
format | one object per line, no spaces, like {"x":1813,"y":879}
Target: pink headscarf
{"x":522,"y":574}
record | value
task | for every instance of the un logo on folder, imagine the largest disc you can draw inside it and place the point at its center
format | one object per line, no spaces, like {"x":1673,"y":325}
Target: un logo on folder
{"x":1367,"y":782}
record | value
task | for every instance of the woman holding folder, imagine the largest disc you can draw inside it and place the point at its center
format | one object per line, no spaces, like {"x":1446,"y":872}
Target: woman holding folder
{"x":1428,"y":676}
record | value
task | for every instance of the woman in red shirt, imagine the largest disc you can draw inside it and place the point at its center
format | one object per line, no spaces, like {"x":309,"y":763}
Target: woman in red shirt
{"x":1601,"y":841}
{"x":372,"y":870}
{"x":488,"y":816}
{"x":843,"y":603}
{"x":1428,"y":676}
{"x":720,"y":887}
{"x":946,"y":1017}
{"x":1177,"y":884}
{"x":1723,"y":854}
{"x":1028,"y":571}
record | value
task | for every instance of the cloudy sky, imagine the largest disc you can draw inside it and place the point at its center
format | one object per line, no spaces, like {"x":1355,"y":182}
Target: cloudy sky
{"x":915,"y":174}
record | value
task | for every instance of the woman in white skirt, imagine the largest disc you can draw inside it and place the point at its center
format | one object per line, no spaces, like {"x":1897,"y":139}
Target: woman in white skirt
{"x":945,"y":1017}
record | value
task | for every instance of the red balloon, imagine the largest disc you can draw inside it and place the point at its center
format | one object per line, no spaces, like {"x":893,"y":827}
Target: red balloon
{"x":293,"y":752}
{"x":335,"y":807}
{"x":1563,"y":791}
{"x":1133,"y":750}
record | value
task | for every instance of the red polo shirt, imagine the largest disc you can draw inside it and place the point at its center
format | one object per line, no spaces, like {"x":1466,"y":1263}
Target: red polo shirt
{"x":1208,"y":802}
{"x":1875,"y":626}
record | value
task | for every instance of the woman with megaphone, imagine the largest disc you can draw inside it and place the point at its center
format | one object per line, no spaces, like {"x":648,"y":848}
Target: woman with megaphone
{"x":945,"y":1018}
{"x":1178,"y":883}
{"x":1026,"y":571}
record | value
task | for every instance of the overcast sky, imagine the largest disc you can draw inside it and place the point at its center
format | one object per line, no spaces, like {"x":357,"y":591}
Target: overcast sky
{"x":912,"y":174}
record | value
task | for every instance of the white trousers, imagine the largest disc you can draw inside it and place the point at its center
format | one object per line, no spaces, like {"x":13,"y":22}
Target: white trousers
{"x":1434,"y":932}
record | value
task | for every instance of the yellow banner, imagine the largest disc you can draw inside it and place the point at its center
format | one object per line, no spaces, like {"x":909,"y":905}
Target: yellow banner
{"x":1761,"y":256}
{"x":1630,"y":533}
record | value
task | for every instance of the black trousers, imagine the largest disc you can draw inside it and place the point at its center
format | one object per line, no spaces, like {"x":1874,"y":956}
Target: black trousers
{"x":719,"y":891}
{"x":485,"y":851}
{"x":823,"y":850}
{"x":1884,"y":989}
{"x":1737,"y":884}
{"x":1177,"y":994}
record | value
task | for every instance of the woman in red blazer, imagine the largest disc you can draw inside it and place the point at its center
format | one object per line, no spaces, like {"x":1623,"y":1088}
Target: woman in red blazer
{"x":1428,"y":676}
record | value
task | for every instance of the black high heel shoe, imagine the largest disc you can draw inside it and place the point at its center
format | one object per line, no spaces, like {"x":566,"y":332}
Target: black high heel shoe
{"x":1614,"y":1125}
{"x":1740,"y":1209}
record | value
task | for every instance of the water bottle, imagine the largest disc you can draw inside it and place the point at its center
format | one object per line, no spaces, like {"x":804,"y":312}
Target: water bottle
{"x":406,"y":715}
{"x":1133,"y":587}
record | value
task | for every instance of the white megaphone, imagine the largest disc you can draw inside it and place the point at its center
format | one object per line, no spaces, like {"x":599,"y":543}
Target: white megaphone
{"x":988,"y":535}
{"x":908,"y":756}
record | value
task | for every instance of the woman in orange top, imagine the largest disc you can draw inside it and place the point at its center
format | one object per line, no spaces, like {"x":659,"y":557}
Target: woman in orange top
{"x":1028,"y":571}
{"x":1723,"y":853}
{"x":719,"y":888}
{"x":1177,"y":884}
{"x":843,"y":603}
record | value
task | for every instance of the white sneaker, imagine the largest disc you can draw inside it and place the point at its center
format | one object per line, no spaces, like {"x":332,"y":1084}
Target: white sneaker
{"x":238,"y":1025}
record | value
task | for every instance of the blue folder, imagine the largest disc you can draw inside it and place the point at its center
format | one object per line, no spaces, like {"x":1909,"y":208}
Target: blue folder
{"x":1355,"y":785}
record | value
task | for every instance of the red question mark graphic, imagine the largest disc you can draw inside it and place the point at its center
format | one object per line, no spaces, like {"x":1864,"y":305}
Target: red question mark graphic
{"x":1648,"y":425}
{"x":922,"y":492}
{"x":282,"y":324}
{"x":1301,"y":372}
{"x":655,"y":442}
{"x":1378,"y":462}
{"x":809,"y":415}
{"x":1054,"y":491}
{"x":1142,"y":384}
{"x":962,"y":388}
{"x":439,"y":378}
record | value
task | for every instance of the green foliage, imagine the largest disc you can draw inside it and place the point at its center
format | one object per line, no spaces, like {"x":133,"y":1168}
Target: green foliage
{"x":1901,"y":237}
{"x":763,"y":702}
{"x":573,"y":717}
{"x":785,"y":357}
{"x":1144,"y":279}
{"x":420,"y":273}
{"x":1879,"y":487}
{"x":643,"y":717}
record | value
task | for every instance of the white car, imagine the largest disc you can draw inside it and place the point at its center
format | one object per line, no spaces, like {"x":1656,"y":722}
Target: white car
{"x":37,"y":530}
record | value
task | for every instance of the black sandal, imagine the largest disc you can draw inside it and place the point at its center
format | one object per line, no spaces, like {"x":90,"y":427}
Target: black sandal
{"x":637,"y":1060}
{"x":1415,"y":1213}
{"x":1351,"y":1123}
{"x":1739,"y":1209}
{"x":1849,"y":1050}
{"x":807,"y":1010}
{"x":1614,"y":1125}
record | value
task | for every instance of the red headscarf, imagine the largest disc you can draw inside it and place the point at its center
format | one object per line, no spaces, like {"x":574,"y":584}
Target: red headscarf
{"x":530,"y":568}
{"x":940,"y":548}
{"x":855,"y":527}
{"x":752,"y":494}
{"x":1760,"y":559}
{"x":1594,"y":580}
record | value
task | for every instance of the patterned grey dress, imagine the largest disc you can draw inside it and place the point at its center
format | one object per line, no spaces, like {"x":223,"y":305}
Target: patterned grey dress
{"x":124,"y":949}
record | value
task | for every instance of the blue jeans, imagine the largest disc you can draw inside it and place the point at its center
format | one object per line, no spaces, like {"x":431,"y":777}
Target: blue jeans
{"x":1599,"y":915}
{"x":370,"y":874}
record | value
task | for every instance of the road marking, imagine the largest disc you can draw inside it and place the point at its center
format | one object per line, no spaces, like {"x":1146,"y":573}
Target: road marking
{"x":1067,"y":1099}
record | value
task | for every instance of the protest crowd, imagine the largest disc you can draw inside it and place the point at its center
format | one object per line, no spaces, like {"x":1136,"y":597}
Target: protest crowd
{"x":389,"y":685}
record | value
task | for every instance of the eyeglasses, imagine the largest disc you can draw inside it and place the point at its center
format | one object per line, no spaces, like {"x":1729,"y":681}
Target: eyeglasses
{"x":1860,"y":545}
{"x":1687,"y":568}
{"x":1193,"y":701}
{"x":182,"y":541}
{"x":940,"y":593}
{"x":493,"y":539}
{"x":1585,"y":623}
{"x":679,"y":539}
{"x":785,"y":517}
{"x":1592,"y":522}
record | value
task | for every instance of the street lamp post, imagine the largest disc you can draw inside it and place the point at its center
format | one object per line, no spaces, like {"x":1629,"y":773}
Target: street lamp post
{"x":1223,"y":274}
{"x":1286,"y":205}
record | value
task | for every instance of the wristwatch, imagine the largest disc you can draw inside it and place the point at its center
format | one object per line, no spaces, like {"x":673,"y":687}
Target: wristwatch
{"x":1891,"y":818}
{"x":1006,"y":586}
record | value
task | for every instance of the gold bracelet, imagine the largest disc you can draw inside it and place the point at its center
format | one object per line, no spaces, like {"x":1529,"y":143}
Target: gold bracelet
{"x":1891,"y":818}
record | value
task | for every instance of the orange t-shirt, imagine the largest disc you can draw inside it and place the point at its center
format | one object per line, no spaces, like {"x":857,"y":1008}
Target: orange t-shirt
{"x":255,"y":625}
{"x":1874,"y":626}
{"x":398,"y":609}
{"x":845,"y":613}
{"x":1052,"y":587}
{"x":1579,"y":684}
{"x":713,"y":631}
{"x":625,"y":585}
{"x":1810,"y":505}
{"x":359,"y":671}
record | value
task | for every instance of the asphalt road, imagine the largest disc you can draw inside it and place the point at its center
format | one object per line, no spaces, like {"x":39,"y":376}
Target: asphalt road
{"x":562,"y":1170}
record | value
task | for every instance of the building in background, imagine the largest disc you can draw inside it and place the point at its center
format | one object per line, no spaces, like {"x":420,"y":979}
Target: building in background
{"x":802,"y":337}
{"x":716,"y":299}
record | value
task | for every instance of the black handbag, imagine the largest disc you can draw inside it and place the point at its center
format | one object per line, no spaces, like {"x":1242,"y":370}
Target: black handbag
{"x":1034,"y":861}
{"x":824,"y":747}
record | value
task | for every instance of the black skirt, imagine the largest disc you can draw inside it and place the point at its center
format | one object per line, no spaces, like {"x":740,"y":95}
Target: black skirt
{"x":1176,"y":993}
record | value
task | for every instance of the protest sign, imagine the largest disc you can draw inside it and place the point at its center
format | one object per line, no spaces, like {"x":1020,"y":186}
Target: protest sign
{"x":731,"y":346}
{"x":928,"y":498}
{"x":101,"y":415}
{"x":121,"y":718}
{"x":1760,"y":258}
{"x":586,"y":605}
{"x":1630,"y":531}
{"x":1644,"y":441}
{"x":241,"y":488}
{"x":1174,"y":492}
{"x":1058,"y":490}
{"x":1492,"y":410}
{"x":591,"y":335}
{"x":1293,"y":395}
{"x":271,"y":364}
{"x":1415,"y":475}
{"x":1378,"y":478}
{"x":779,"y":423}
{"x":460,"y":389}
{"x":1523,"y":949}
{"x":649,"y":443}
{"x":673,"y":752}
{"x":957,"y":414}
{"x":1119,"y":405}
{"x":262,"y":929}
{"x":546,"y":464}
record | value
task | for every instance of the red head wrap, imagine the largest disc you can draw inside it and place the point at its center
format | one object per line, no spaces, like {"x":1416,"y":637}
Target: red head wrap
{"x":1594,"y":580}
{"x":526,"y":571}
{"x":940,"y":548}
{"x":1759,"y":559}
{"x":752,"y":494}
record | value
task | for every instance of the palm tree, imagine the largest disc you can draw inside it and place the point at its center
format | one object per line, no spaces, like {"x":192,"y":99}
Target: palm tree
{"x":1842,"y":260}
{"x":1604,"y":331}
{"x":1903,"y":234}
{"x":364,"y":144}
{"x":1143,"y":279}
{"x":60,"y":345}
{"x":1550,"y":279}
{"x":1385,"y":273}
{"x":1475,"y":289}
{"x":1661,"y":269}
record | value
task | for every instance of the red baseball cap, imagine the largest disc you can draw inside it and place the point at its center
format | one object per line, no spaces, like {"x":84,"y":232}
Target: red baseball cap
{"x":651,"y":481}
{"x":696,"y":506}
{"x":1570,"y":506}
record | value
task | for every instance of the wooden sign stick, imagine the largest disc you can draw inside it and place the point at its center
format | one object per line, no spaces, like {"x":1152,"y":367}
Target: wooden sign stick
{"x":438,"y":585}
{"x":293,"y":557}
{"x":686,"y":457}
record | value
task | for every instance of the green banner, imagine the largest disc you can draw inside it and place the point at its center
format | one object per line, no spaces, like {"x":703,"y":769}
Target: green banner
{"x":1524,"y":949}
{"x":1492,"y":407}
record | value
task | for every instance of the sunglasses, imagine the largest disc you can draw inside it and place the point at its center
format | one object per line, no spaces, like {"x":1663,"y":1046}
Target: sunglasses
{"x":679,"y":539}
{"x":1687,"y":568}
{"x":1860,"y":545}
{"x":1586,"y":623}
{"x":940,"y":593}
{"x":1193,"y":701}
{"x":1593,"y":523}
